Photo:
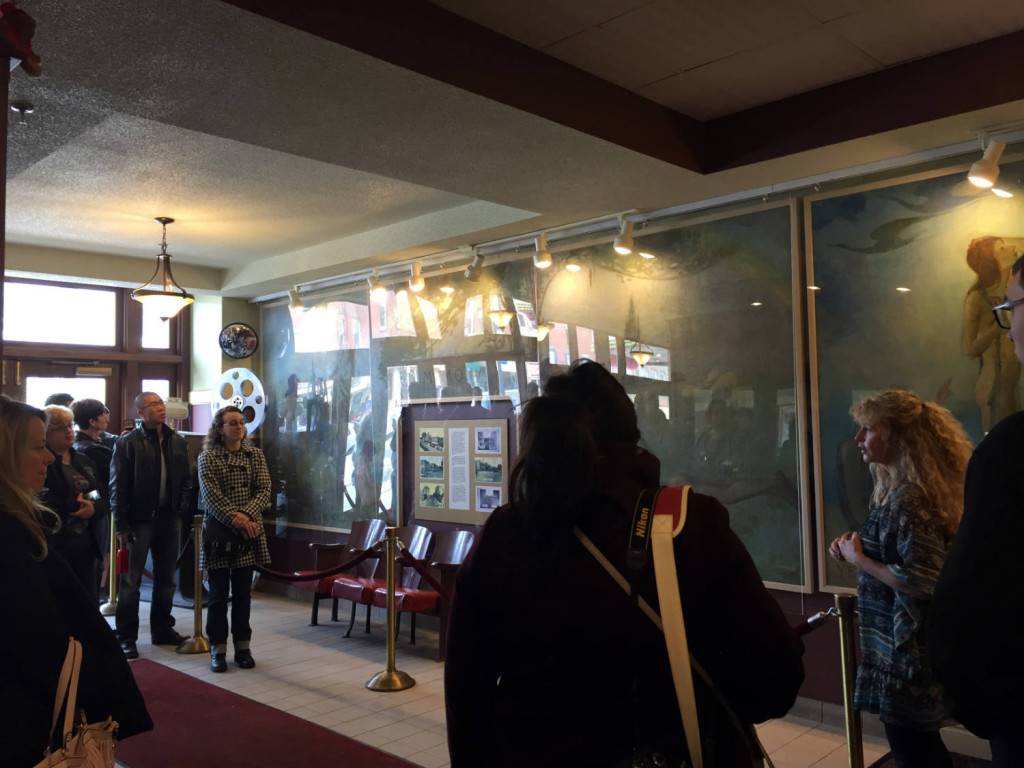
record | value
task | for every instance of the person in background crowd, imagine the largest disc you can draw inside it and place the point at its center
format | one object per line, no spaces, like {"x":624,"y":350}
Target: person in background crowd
{"x":149,"y":493}
{"x":60,"y":398}
{"x":579,"y":465}
{"x":39,"y":592}
{"x":976,"y":622}
{"x":918,"y":453}
{"x":73,"y":492}
{"x":93,"y":441}
{"x":234,"y":487}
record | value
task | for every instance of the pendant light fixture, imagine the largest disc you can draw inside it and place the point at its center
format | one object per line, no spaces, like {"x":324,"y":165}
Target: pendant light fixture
{"x":543,"y":329}
{"x":641,"y":354}
{"x":162,"y":293}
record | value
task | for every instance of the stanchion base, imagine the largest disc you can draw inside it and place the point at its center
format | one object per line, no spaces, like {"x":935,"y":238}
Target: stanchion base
{"x":390,"y":680}
{"x":108,"y":609}
{"x":197,"y":644}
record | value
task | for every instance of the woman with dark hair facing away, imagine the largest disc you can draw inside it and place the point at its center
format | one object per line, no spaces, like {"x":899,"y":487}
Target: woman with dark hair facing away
{"x":549,"y":662}
{"x":234,"y":488}
{"x":918,"y":456}
{"x":40,"y":593}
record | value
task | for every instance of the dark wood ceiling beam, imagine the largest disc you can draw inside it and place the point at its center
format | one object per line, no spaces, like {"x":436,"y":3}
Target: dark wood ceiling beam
{"x":432,"y":41}
{"x":974,"y":77}
{"x":424,"y":38}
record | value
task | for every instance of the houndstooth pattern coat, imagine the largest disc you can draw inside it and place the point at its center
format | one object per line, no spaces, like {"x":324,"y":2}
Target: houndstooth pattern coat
{"x":235,"y":480}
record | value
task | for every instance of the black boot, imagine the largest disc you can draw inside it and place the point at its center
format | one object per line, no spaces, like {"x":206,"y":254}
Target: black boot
{"x":218,"y":663}
{"x":244,"y":659}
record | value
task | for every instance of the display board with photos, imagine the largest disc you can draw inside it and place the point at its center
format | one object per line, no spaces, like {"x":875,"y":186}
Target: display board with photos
{"x":460,"y":461}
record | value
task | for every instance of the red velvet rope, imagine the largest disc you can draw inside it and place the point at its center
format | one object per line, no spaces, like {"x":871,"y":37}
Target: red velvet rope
{"x":406,"y":555}
{"x":317,"y":575}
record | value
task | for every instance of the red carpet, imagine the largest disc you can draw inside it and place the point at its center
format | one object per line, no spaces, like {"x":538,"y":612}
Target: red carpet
{"x":195,"y":727}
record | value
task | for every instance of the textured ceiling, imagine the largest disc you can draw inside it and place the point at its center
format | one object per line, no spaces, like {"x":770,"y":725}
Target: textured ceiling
{"x":295,"y":142}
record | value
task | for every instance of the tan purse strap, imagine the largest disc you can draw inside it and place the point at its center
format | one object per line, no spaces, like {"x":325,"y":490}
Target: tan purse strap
{"x":67,"y":689}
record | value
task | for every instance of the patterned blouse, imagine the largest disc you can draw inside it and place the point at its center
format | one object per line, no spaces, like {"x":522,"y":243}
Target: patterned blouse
{"x":895,"y":678}
{"x":235,"y":480}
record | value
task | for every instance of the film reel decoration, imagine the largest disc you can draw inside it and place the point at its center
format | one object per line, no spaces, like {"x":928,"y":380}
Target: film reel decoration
{"x":242,"y":388}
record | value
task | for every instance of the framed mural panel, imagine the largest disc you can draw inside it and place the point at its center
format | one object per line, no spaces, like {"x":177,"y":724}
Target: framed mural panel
{"x":719,"y":401}
{"x":902,"y":277}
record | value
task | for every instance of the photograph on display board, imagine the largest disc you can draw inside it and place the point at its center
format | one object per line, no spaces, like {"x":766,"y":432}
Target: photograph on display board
{"x":432,"y":467}
{"x":488,"y":498}
{"x":488,"y":440}
{"x":432,"y":495}
{"x":431,"y":440}
{"x":488,"y":470}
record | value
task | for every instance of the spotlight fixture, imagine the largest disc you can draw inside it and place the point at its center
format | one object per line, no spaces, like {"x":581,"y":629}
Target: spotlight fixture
{"x":543,"y":329}
{"x":641,"y":354}
{"x":572,"y":265}
{"x":447,"y":287}
{"x":416,"y":283}
{"x":646,"y":254}
{"x":624,"y":242}
{"x":542,"y":258}
{"x":474,"y":270}
{"x":1001,"y":192}
{"x":377,"y":289}
{"x":166,"y":296}
{"x":985,"y":171}
{"x":294,"y":299}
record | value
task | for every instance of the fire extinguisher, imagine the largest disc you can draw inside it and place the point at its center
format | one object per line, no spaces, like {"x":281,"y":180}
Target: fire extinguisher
{"x":122,"y":560}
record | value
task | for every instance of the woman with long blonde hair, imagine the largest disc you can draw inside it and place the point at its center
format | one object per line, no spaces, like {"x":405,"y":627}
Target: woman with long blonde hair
{"x":39,"y":592}
{"x":918,"y":456}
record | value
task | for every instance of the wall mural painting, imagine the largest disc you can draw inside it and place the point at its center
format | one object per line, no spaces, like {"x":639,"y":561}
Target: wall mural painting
{"x":908,"y":274}
{"x":720,"y":407}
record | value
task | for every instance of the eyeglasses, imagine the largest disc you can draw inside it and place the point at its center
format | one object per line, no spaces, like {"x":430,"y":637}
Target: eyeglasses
{"x":234,"y":424}
{"x":1004,"y":313}
{"x":64,"y":428}
{"x":153,"y":404}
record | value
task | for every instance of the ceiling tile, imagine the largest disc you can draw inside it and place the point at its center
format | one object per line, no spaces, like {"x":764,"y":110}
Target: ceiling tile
{"x":693,"y":94}
{"x":604,"y":54}
{"x":902,"y":30}
{"x":539,"y":23}
{"x":780,"y":69}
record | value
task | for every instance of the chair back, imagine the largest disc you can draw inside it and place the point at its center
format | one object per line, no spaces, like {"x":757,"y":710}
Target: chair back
{"x":363,"y":535}
{"x":452,"y":548}
{"x":417,"y":540}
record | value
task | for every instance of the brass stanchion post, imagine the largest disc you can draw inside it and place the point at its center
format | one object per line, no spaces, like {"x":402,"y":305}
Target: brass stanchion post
{"x":109,"y":608}
{"x":854,"y":738}
{"x":197,"y":643}
{"x":390,"y":679}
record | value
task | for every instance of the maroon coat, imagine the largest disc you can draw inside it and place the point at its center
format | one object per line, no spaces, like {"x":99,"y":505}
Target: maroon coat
{"x":567,"y":643}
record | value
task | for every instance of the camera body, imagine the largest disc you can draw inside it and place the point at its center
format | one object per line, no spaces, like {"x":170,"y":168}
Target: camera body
{"x":92,"y":496}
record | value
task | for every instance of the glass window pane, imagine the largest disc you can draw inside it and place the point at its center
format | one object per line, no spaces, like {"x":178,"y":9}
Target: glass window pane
{"x":27,"y":319}
{"x":613,"y":354}
{"x":585,"y":343}
{"x":161,"y":386}
{"x":38,"y":388}
{"x":558,"y":344}
{"x":508,"y":380}
{"x":474,"y":325}
{"x":476,"y":375}
{"x":156,"y":332}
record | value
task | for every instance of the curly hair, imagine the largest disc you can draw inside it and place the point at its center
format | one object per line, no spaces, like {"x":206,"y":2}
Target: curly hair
{"x":17,"y":498}
{"x":213,"y":436}
{"x":932,"y":450}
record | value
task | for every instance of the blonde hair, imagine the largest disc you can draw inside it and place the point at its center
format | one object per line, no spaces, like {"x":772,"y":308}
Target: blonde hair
{"x":17,"y":498}
{"x":58,"y":413}
{"x":932,"y":451}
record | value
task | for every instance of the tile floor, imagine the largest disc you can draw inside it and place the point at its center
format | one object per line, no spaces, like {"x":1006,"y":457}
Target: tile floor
{"x":316,"y":674}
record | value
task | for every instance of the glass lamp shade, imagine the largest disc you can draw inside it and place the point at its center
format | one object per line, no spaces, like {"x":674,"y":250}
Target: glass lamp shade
{"x":501,"y":317}
{"x":166,"y":296}
{"x":641,"y":355}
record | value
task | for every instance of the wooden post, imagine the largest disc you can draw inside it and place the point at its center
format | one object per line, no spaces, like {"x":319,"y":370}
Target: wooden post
{"x":5,"y":83}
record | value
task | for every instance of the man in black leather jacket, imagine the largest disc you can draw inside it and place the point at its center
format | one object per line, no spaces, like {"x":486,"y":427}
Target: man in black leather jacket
{"x":149,"y":493}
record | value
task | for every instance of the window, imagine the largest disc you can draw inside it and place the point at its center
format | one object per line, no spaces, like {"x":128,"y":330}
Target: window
{"x":585,"y":343}
{"x":156,"y":332}
{"x":41,"y":313}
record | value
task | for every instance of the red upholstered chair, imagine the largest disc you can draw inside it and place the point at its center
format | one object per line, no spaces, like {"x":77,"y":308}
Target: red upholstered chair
{"x":449,"y":552}
{"x":360,"y":590}
{"x":363,"y":535}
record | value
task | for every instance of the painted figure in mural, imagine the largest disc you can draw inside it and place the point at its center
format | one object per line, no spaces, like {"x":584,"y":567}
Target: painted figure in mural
{"x":918,"y":454}
{"x":996,"y":389}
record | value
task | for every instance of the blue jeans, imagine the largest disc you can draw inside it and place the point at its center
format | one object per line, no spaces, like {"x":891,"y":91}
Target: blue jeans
{"x":162,"y":537}
{"x":240,"y":581}
{"x":912,"y":748}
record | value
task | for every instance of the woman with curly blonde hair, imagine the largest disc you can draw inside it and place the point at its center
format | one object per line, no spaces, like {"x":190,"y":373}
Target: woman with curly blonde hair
{"x":918,"y":455}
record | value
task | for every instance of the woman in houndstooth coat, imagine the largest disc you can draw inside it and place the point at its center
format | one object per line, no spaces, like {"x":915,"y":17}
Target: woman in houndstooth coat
{"x":234,"y":489}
